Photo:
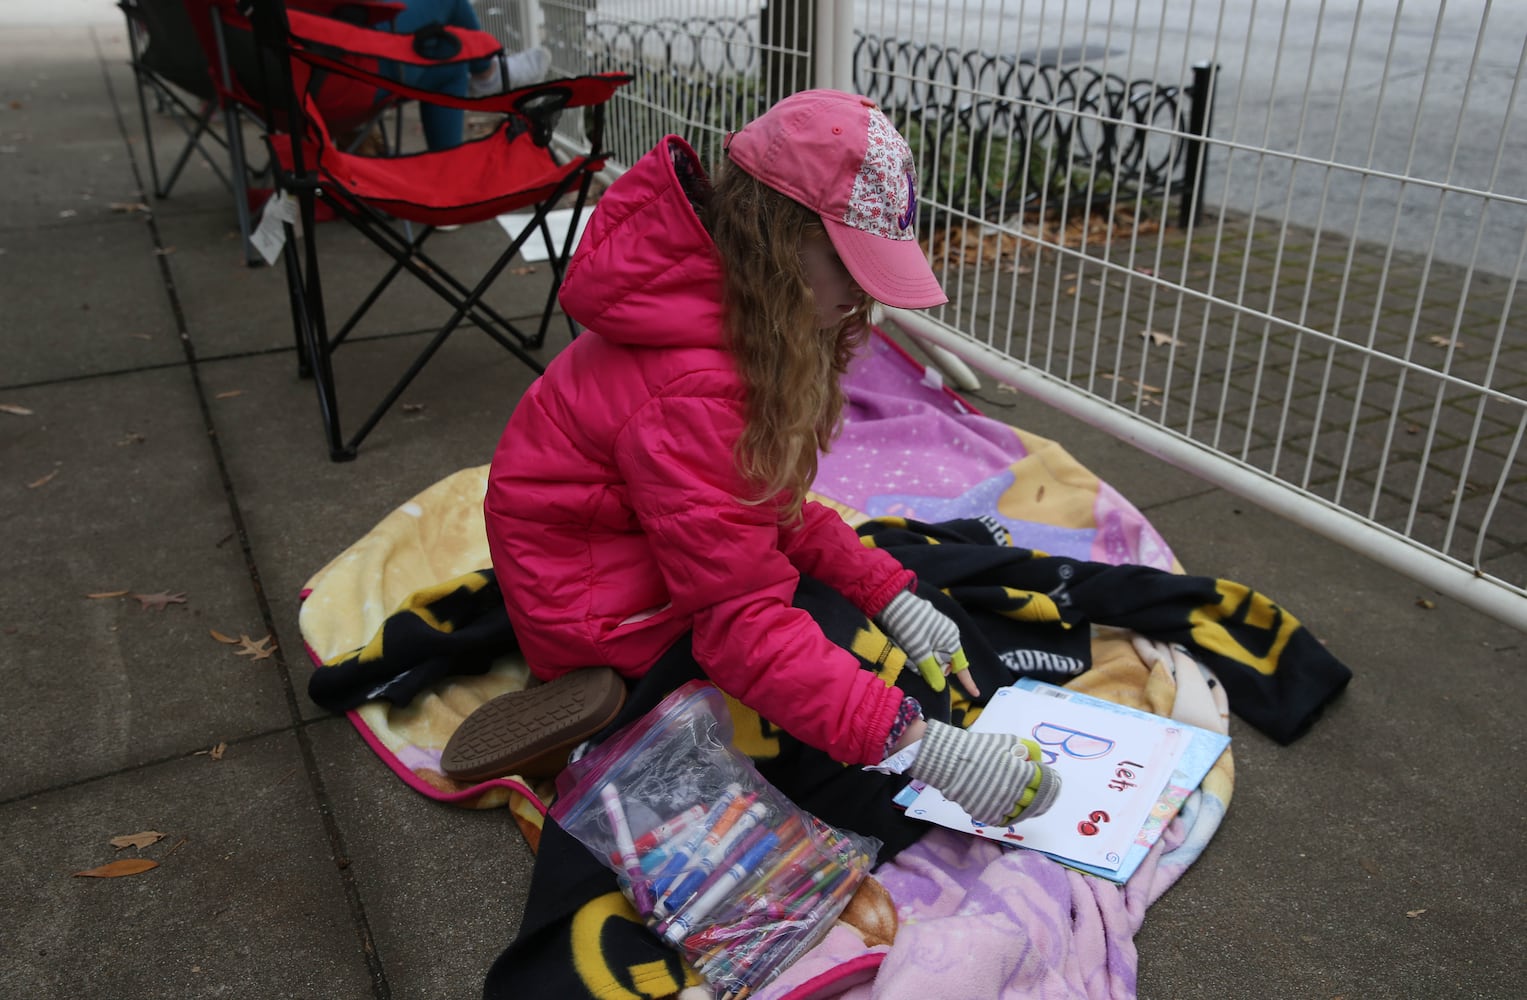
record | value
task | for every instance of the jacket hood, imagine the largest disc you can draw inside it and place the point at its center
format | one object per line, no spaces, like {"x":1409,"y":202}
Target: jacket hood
{"x":646,"y":272}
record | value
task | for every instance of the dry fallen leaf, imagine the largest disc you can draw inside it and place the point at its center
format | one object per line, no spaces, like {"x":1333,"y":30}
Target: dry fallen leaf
{"x":1441,"y":341}
{"x":1413,"y":914}
{"x":216,"y":753}
{"x":227,"y":640}
{"x":143,"y":839}
{"x":1422,"y":602}
{"x":1160,"y":339}
{"x":1369,"y":866}
{"x":1143,"y":387}
{"x":12,"y":408}
{"x":229,"y":394}
{"x":256,"y":650}
{"x":159,"y":601}
{"x":116,"y":869}
{"x":101,"y":595}
{"x":45,"y":480}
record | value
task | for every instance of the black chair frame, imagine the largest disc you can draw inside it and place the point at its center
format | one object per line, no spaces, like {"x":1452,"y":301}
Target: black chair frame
{"x":539,"y":112}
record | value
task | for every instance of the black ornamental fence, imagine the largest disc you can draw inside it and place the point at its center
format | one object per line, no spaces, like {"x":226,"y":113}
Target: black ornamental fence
{"x":995,"y":134}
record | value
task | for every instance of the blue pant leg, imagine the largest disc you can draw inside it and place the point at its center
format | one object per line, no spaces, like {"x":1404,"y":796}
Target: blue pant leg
{"x":443,"y":127}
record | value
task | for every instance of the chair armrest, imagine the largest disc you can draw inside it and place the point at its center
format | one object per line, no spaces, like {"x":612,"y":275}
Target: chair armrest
{"x":364,"y":12}
{"x":309,"y":30}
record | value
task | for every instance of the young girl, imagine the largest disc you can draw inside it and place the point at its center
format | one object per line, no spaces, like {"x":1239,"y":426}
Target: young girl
{"x":650,"y":488}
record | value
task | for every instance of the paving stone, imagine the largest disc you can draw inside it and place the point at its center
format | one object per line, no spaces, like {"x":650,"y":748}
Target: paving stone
{"x":134,"y":505}
{"x":246,"y":900}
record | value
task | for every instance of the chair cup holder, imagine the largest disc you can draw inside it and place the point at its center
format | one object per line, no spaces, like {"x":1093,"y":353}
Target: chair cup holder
{"x":542,"y":108}
{"x":433,"y":42}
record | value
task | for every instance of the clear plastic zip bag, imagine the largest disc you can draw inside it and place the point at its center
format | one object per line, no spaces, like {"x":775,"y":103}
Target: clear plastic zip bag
{"x":717,"y":861}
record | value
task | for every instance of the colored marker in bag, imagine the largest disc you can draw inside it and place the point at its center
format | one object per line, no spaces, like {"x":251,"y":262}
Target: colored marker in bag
{"x":652,"y":846}
{"x":733,"y":928}
{"x":691,"y":843}
{"x":715,"y":857}
{"x":701,"y":879}
{"x":806,"y":939}
{"x":812,"y":883}
{"x":679,"y":927}
{"x":641,"y":893}
{"x":669,"y":828}
{"x":839,"y":876}
{"x":789,"y":863}
{"x":735,"y":810}
{"x":702,"y":860}
{"x":682,"y":856}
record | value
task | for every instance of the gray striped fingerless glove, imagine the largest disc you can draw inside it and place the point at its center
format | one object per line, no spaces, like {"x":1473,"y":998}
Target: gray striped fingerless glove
{"x":989,"y":775}
{"x":929,"y":637}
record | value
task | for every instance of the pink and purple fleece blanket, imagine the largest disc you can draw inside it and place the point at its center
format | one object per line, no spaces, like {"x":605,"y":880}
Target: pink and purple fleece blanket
{"x":912,"y":448}
{"x":975,"y":918}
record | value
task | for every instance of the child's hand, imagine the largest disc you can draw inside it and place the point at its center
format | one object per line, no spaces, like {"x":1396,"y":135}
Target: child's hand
{"x":995,"y":777}
{"x":929,"y":638}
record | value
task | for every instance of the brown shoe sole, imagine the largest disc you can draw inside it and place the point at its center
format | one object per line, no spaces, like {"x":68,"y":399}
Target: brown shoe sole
{"x":532,"y":732}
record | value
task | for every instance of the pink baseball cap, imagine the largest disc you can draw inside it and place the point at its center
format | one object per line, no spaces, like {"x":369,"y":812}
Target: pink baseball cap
{"x":841,"y":157}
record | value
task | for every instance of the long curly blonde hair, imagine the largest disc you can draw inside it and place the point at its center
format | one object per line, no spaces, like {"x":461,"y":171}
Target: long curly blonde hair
{"x":791,"y":368}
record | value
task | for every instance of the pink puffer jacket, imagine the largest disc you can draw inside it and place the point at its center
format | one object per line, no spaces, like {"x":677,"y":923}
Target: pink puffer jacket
{"x":611,"y":509}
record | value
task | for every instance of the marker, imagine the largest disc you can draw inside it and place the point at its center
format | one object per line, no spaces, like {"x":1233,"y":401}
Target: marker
{"x":680,"y":857}
{"x":715,"y":856}
{"x":830,"y":869}
{"x":734,"y":811}
{"x":793,"y":949}
{"x":669,"y":828}
{"x":680,"y":926}
{"x":789,"y":862}
{"x":654,"y":846}
{"x":736,"y":845}
{"x":640,"y":891}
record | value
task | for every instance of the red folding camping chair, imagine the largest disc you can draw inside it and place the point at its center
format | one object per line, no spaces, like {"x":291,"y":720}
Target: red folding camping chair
{"x":513,"y":168}
{"x":167,"y":62}
{"x":206,"y":80}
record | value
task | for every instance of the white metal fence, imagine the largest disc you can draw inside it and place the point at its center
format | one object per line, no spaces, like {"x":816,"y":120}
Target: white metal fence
{"x":1276,"y":243}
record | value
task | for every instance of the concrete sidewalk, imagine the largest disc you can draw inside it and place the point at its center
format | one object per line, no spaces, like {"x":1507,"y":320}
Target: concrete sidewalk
{"x":167,"y":448}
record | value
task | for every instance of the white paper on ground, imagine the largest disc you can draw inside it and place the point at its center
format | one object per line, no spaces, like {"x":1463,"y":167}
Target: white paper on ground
{"x":557,"y":221}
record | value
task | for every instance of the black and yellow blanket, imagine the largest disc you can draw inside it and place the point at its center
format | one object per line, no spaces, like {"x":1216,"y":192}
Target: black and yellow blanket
{"x":410,"y":635}
{"x":1023,"y":614}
